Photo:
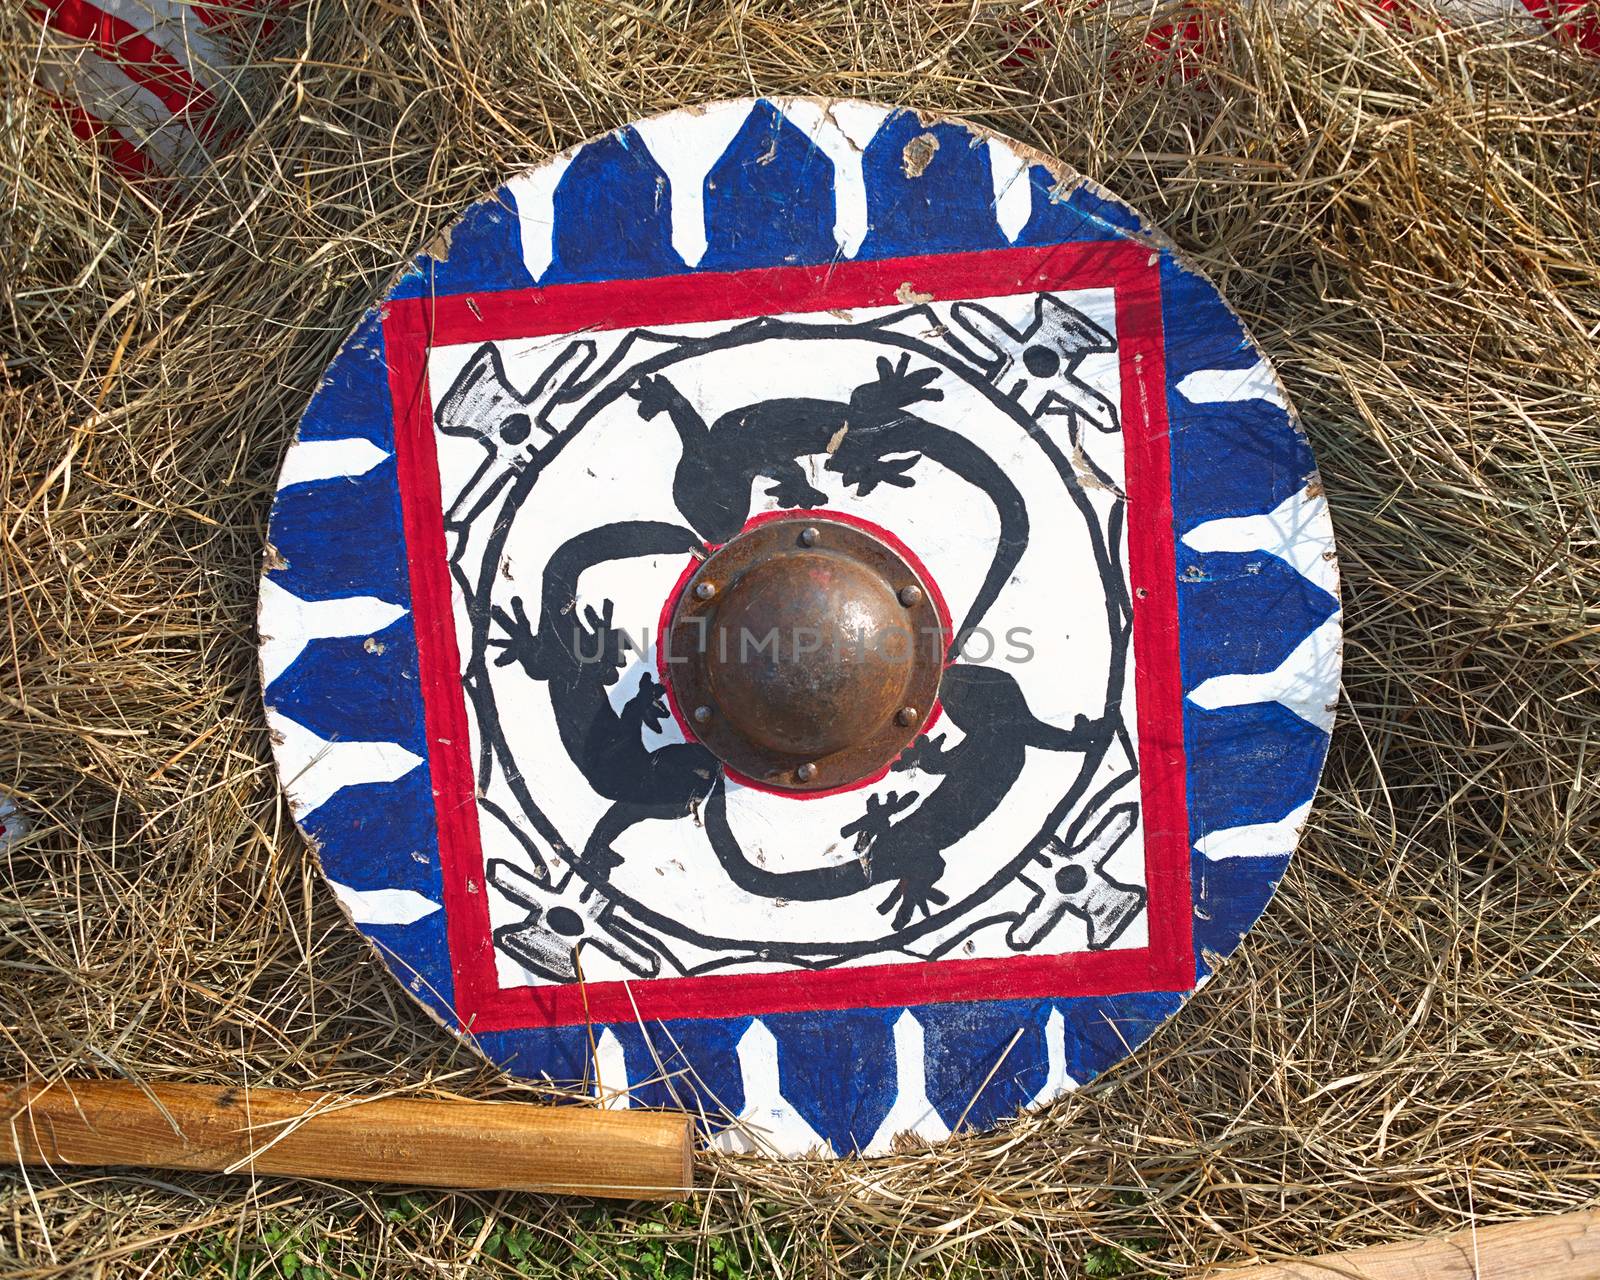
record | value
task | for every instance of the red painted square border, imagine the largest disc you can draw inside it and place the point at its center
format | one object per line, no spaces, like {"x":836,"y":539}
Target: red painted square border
{"x":412,"y":326}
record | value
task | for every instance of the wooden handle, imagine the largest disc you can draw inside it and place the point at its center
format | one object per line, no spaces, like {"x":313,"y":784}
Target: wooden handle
{"x":1566,"y":1247}
{"x":624,"y":1154}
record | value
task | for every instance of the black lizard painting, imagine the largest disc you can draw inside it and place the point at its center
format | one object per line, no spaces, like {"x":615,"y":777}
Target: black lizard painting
{"x":987,"y":705}
{"x":579,"y":659}
{"x":869,"y":439}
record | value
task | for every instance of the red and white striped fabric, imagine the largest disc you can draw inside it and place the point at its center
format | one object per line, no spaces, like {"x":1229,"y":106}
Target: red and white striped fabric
{"x":143,"y":77}
{"x":1185,"y":39}
{"x":1574,"y":22}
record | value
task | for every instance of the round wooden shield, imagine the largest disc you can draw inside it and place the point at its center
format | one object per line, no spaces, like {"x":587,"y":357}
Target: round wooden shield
{"x":940,"y":374}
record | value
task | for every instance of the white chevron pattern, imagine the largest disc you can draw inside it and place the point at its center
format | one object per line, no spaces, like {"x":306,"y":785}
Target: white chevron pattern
{"x":768,"y":1123}
{"x":534,"y":194}
{"x":1298,"y":531}
{"x":384,"y":906}
{"x":611,"y":1072}
{"x":1306,"y":682}
{"x":288,"y":624}
{"x":309,"y":460}
{"x":686,"y":144}
{"x":841,"y":131}
{"x":313,"y":769}
{"x":1057,"y":1082}
{"x":1013,"y":193}
{"x":1257,"y":839}
{"x":1217,"y":386}
{"x":912,"y":1112}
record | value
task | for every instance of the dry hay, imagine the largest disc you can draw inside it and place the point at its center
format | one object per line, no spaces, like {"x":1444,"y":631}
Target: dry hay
{"x":1408,"y":220}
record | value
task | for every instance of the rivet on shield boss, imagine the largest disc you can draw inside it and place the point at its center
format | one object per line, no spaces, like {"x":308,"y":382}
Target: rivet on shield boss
{"x":810,"y":613}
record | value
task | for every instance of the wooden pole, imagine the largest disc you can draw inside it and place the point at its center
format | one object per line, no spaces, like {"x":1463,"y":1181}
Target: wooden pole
{"x":622,"y":1154}
{"x":1564,"y":1247}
